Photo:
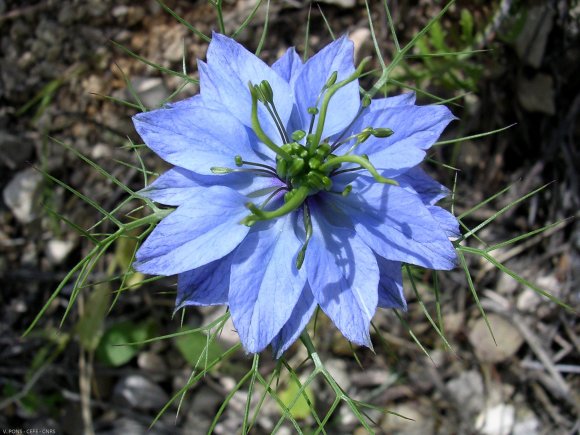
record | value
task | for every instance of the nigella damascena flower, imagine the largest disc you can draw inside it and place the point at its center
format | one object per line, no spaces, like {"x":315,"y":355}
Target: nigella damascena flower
{"x":293,"y":192}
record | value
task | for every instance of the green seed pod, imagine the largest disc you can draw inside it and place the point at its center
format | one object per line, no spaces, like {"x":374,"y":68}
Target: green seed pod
{"x":314,"y":163}
{"x":239,"y":161}
{"x":313,"y":110}
{"x":296,"y":167}
{"x":282,"y":168}
{"x":298,"y":135}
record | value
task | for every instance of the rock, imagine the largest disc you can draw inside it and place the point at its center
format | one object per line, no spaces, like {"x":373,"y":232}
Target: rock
{"x":153,"y":365}
{"x":21,"y":195}
{"x":341,"y":3}
{"x":14,"y":151}
{"x":416,"y":421}
{"x":507,"y":336}
{"x":537,"y":94}
{"x":468,"y":391}
{"x":362,"y":41}
{"x":498,"y":420}
{"x":138,"y":392}
{"x":57,"y":250}
{"x":151,"y":90}
{"x":531,"y":41}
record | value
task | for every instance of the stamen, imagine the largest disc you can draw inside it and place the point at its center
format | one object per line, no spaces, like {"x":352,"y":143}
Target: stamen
{"x":266,"y":96}
{"x":258,"y":128}
{"x":218,"y":170}
{"x":272,"y":195}
{"x":241,"y":162}
{"x":312,"y":111}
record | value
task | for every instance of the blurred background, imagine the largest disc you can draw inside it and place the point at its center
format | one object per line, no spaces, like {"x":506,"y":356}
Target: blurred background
{"x":61,"y":78}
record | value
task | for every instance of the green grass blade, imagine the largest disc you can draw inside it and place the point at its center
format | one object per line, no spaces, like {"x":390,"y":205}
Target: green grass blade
{"x":473,"y":291}
{"x":184,"y":22}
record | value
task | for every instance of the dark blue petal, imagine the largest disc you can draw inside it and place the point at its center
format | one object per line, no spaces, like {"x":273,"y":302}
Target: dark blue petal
{"x":337,"y":56}
{"x":206,"y":285}
{"x":391,"y":284}
{"x":265,"y":284}
{"x":198,"y":232}
{"x":296,"y":323}
{"x":343,"y":275}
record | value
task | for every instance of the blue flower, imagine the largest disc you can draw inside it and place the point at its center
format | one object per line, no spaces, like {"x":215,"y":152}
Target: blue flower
{"x":293,"y":193}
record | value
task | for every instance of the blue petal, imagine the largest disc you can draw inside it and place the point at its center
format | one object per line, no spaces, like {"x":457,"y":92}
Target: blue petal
{"x":296,"y":323}
{"x":206,"y":285}
{"x":396,"y":224}
{"x":407,"y":99}
{"x":391,"y":284}
{"x":415,"y":128}
{"x":265,"y":284}
{"x":446,"y":220}
{"x":343,"y":275}
{"x":178,"y":185}
{"x":198,"y":232}
{"x":288,"y":66}
{"x":194,"y":138}
{"x":225,"y":78}
{"x":417,"y":181}
{"x":337,"y":56}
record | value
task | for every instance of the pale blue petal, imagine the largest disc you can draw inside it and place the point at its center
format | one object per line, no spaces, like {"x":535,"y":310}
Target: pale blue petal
{"x":296,"y":323}
{"x":206,"y":285}
{"x":343,"y":275}
{"x":174,"y":187}
{"x":391,"y":285}
{"x":417,"y":181}
{"x":265,"y":284}
{"x":179,"y":185}
{"x":446,"y":220}
{"x":195,"y":234}
{"x":407,"y":99}
{"x":396,"y":224}
{"x":414,"y":127}
{"x":225,"y":78}
{"x":194,"y":138}
{"x":288,"y":66}
{"x":337,"y":56}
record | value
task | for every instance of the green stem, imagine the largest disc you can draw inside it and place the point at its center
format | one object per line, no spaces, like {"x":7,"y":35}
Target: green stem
{"x":305,"y":338}
{"x":361,"y":161}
